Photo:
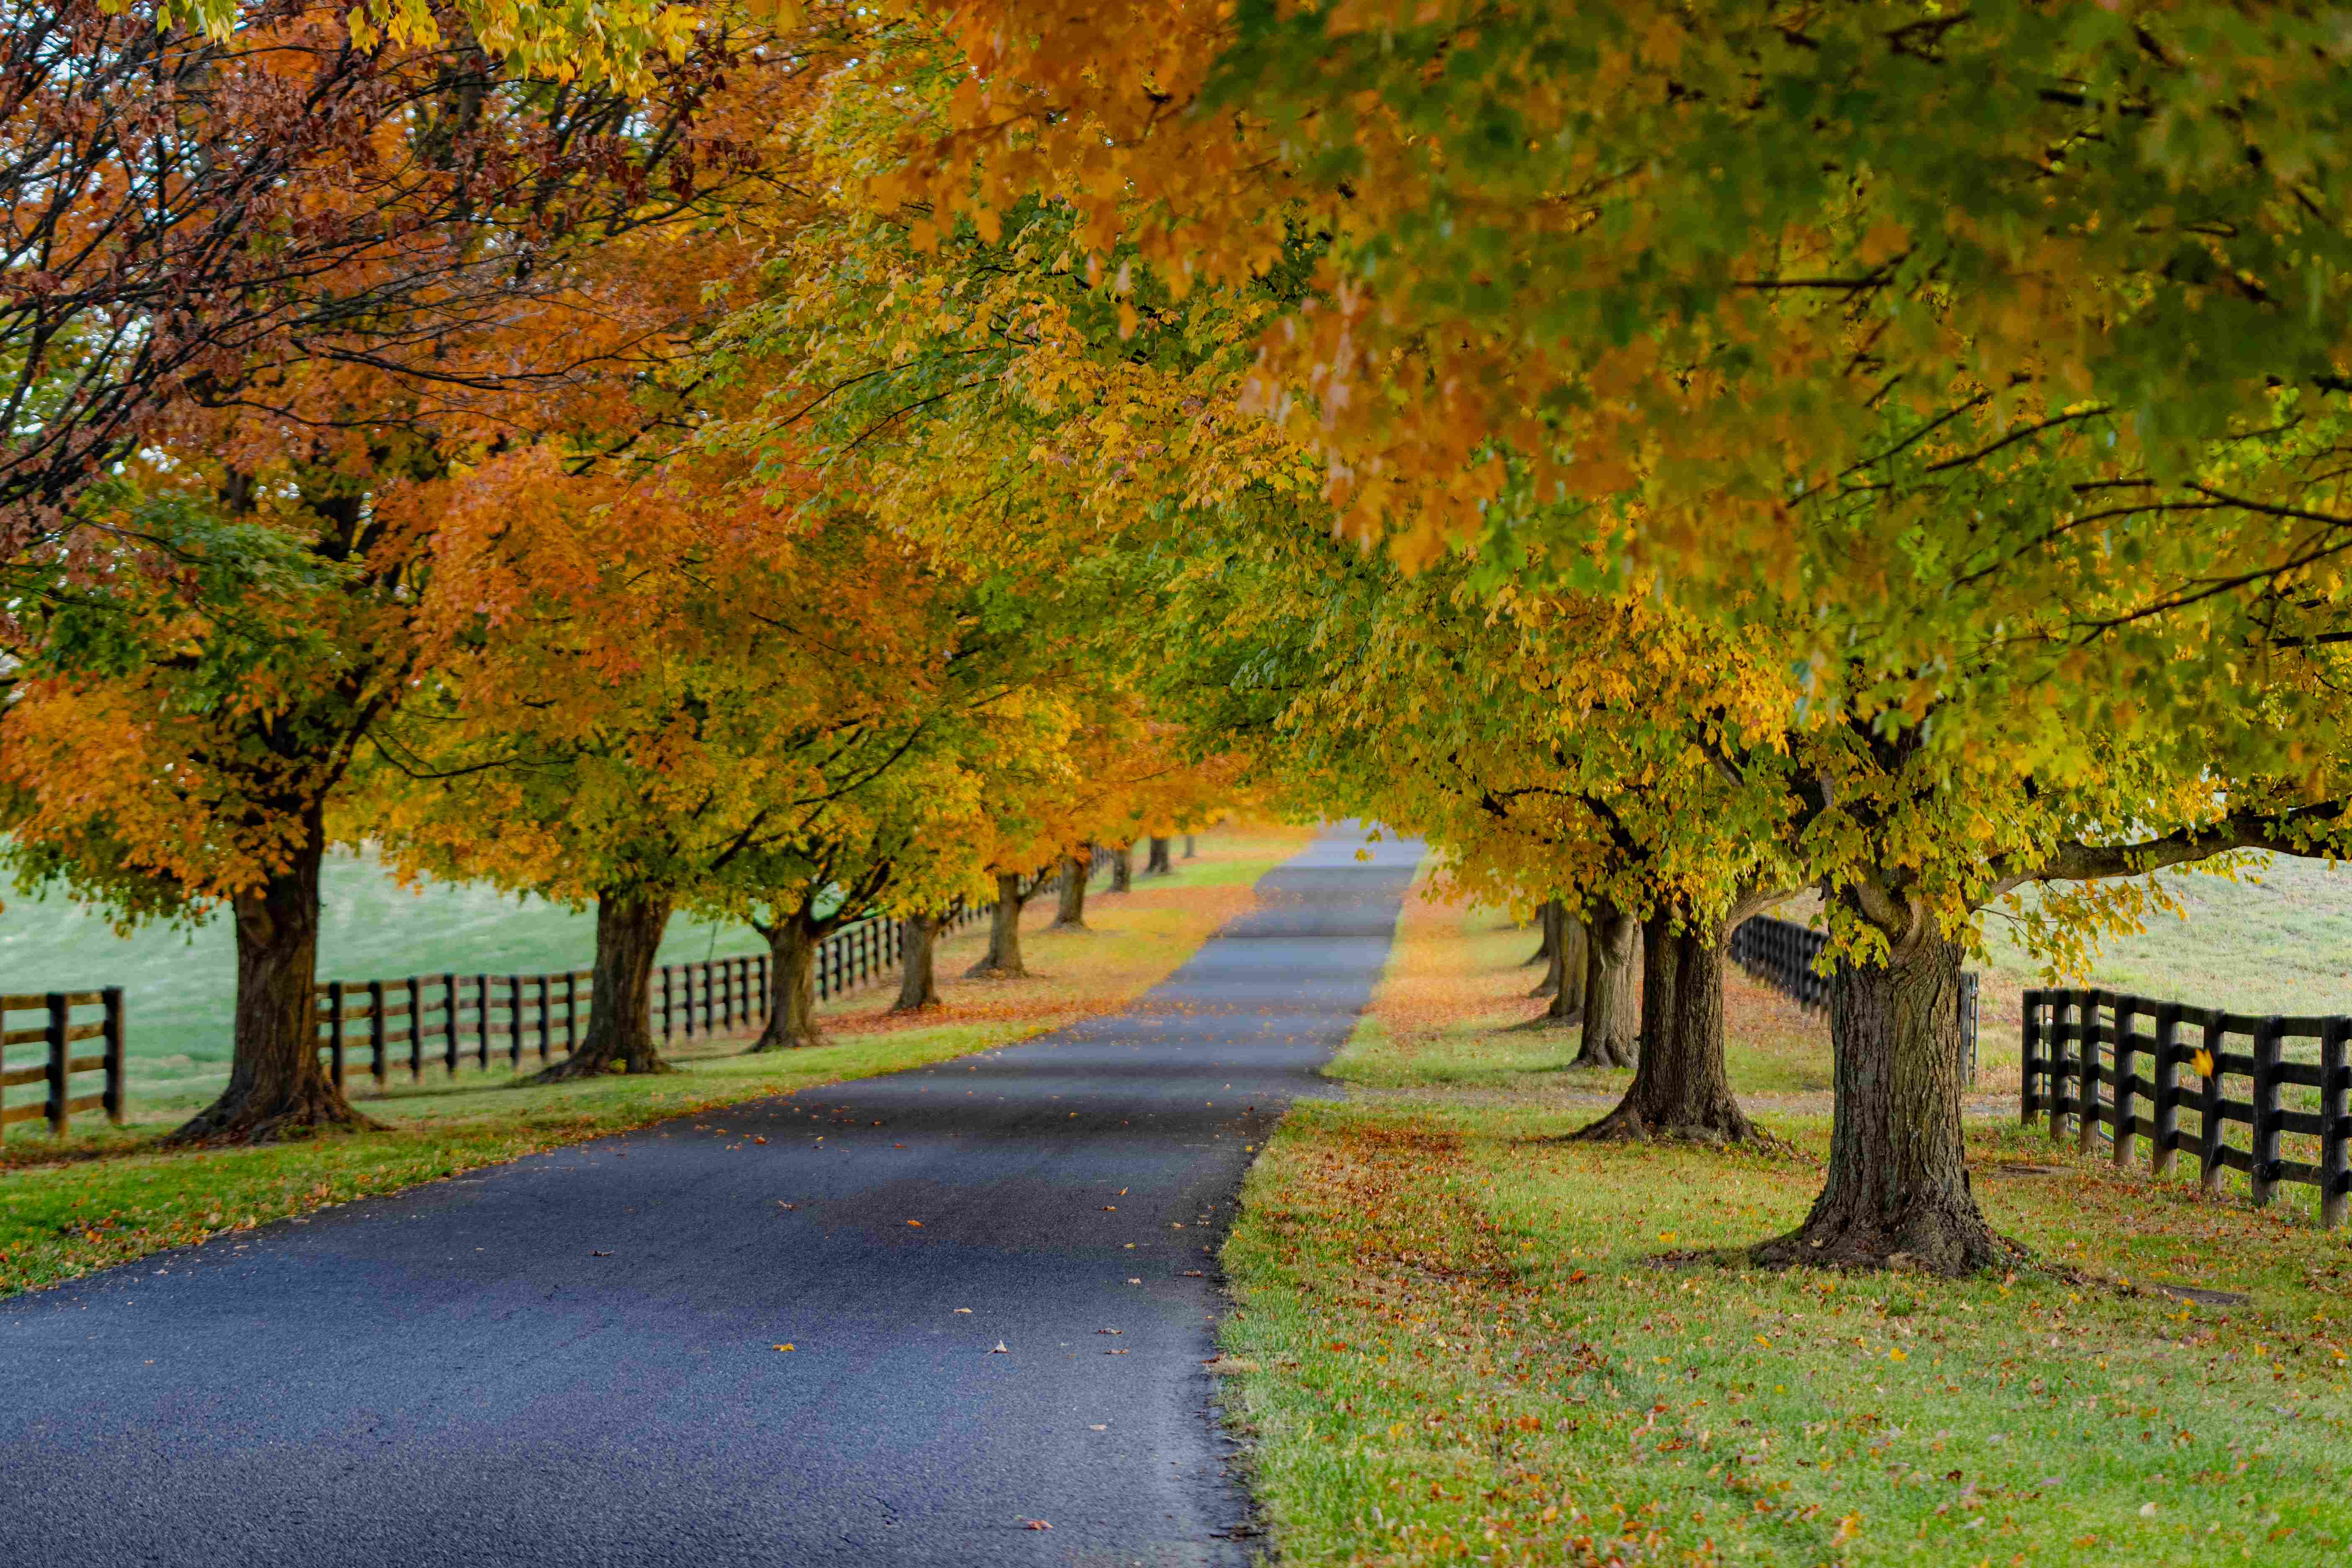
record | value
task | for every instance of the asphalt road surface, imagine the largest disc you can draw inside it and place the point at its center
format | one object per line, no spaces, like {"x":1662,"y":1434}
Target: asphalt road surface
{"x":570,"y":1360}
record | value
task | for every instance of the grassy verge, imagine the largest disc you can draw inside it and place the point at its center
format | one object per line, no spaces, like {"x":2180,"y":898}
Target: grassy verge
{"x":108,"y":1196}
{"x":1458,"y":1338}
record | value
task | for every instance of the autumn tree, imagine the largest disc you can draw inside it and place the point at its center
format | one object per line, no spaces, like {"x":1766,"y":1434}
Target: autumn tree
{"x":219,"y":631}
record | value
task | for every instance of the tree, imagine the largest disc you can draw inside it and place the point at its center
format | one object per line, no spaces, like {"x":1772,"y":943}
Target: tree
{"x":230,"y":617}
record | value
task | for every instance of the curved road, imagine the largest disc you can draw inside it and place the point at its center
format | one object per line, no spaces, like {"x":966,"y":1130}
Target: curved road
{"x":568,"y":1360}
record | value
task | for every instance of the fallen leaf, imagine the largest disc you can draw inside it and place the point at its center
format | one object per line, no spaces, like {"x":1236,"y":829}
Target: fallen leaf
{"x":1135,"y":1281}
{"x":1116,"y":1352}
{"x":781,"y":1205}
{"x":1192,"y":1274}
{"x":1000,"y":1349}
{"x":759,"y":1139}
{"x":915,"y":1223}
{"x":780,"y":1347}
{"x":1036,"y":1524}
{"x":600,"y":1255}
{"x":1110,"y":1330}
{"x":1110,"y":1208}
{"x":1099,"y":1428}
{"x":964,"y":1308}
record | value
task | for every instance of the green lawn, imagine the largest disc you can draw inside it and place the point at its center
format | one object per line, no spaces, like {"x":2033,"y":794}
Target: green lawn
{"x":1460,"y":1338}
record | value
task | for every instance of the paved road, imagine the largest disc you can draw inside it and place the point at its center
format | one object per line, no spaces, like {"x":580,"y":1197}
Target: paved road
{"x":567,"y":1360}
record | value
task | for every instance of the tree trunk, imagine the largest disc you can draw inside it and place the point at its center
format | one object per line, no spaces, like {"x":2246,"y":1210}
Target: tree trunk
{"x":1155,"y":863}
{"x":1897,"y":1193}
{"x":1122,"y":868}
{"x":1070,"y":910}
{"x":1571,"y":958}
{"x":1546,"y":942}
{"x":1611,"y":1018}
{"x":276,"y":1087}
{"x":1003,"y":958}
{"x":1681,"y":1087}
{"x":1189,"y":849}
{"x":791,"y":973}
{"x":620,"y":1017}
{"x":919,"y":985}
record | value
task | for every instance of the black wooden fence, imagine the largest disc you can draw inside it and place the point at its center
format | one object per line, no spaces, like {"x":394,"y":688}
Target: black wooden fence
{"x":2083,"y":1050}
{"x":458,"y":1020}
{"x":454,"y":1020}
{"x":449,"y":1020}
{"x":55,"y":1066}
{"x":1782,"y":954}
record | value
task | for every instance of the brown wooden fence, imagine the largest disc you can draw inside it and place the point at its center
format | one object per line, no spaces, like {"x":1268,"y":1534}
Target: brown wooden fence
{"x":2082,"y":1051}
{"x":56,"y":1067}
{"x":1782,"y":954}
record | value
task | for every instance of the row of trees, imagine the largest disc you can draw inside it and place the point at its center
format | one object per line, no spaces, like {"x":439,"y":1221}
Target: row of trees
{"x":434,"y":479}
{"x":1613,"y":445}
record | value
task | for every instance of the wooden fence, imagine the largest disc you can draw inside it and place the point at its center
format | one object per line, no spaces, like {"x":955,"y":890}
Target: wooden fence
{"x":449,"y":1020}
{"x":57,"y":1066}
{"x":1782,"y":954}
{"x":377,"y":1025}
{"x":2079,"y":1043}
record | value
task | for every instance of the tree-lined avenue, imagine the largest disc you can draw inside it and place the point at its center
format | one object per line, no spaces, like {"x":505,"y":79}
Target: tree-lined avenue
{"x":570,"y":1360}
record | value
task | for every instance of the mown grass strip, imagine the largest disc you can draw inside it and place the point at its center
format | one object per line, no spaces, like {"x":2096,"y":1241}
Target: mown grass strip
{"x":1461,"y":1338}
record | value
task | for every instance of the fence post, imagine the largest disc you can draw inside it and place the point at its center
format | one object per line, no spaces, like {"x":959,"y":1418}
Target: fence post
{"x":376,"y":1069}
{"x":2062,"y":1027}
{"x":2029,"y":1068}
{"x":571,"y":1011}
{"x":546,"y":1024}
{"x":482,"y":1021}
{"x":111,"y":999}
{"x":2161,"y":1149}
{"x":334,"y":1031}
{"x":2334,"y":1157}
{"x":669,"y":1017}
{"x":449,"y":1016}
{"x":2086,"y":1117}
{"x":415,"y":985}
{"x":2209,"y":1136}
{"x":2265,"y":1155}
{"x":514,"y":1023}
{"x":2126,"y":1054}
{"x":56,"y":1036}
{"x":686,"y":980}
{"x":759,"y":973}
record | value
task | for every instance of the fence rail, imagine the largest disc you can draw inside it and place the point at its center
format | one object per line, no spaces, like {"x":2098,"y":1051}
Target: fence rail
{"x":2078,"y":1043}
{"x":1782,"y":953}
{"x":57,"y":1034}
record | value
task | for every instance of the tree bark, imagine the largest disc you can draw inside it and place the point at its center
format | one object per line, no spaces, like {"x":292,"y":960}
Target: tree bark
{"x":1070,"y":909}
{"x":1570,"y":959}
{"x":1003,"y":958}
{"x":919,"y":985}
{"x":1611,"y":1018}
{"x":620,"y":1020}
{"x":1155,"y":863}
{"x":1681,"y":1087}
{"x":276,"y":1087}
{"x":791,"y":973}
{"x":1122,"y":868}
{"x":1547,"y":941}
{"x":1897,"y":1192}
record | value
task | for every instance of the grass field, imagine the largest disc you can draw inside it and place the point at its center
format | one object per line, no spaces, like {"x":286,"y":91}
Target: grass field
{"x":1458,"y":1338}
{"x":107,"y":1195}
{"x":180,"y":987}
